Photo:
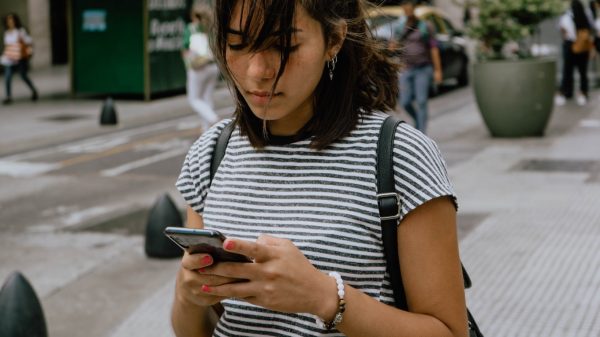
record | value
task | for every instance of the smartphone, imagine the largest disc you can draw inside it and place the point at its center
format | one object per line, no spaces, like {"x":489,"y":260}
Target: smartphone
{"x":205,"y":241}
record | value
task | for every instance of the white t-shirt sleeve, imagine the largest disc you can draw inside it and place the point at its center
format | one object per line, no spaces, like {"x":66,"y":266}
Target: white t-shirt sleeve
{"x":26,"y":38}
{"x":567,"y":24}
{"x":194,"y":180}
{"x":419,"y":169}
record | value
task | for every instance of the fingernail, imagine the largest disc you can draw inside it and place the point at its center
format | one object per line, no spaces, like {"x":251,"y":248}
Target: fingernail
{"x":202,"y":270}
{"x":229,"y":245}
{"x":206,"y":260}
{"x":205,"y":288}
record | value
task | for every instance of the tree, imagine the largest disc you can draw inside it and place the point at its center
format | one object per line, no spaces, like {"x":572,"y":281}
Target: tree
{"x":500,"y":22}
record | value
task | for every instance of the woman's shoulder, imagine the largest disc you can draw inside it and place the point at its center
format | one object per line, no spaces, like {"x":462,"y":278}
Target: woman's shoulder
{"x":408,"y":133}
{"x":404,"y":131}
{"x":408,"y":141}
{"x":414,"y":144}
{"x":207,"y":140}
{"x":566,"y":18}
{"x":417,"y":161}
{"x":218,"y":127}
{"x":23,"y":34}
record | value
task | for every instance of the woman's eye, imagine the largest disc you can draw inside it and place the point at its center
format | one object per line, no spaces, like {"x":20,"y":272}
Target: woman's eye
{"x":237,"y":47}
{"x":290,"y":49}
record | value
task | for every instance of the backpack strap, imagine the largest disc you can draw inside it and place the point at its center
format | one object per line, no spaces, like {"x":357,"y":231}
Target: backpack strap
{"x":217,"y":157}
{"x":220,"y":147}
{"x":390,"y":204}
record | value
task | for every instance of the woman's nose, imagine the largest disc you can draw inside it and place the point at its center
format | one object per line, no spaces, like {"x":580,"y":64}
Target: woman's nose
{"x":263,"y":65}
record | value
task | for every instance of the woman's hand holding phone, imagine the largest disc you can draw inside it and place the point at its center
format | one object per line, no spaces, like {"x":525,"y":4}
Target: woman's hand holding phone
{"x":193,"y":276}
{"x":202,"y":249}
{"x":280,"y":279}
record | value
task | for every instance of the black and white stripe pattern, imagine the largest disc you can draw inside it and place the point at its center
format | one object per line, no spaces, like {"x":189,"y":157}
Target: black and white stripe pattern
{"x":324,"y":201}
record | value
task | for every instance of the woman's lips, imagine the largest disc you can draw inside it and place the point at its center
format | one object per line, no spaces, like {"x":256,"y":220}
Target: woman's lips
{"x":262,"y":97}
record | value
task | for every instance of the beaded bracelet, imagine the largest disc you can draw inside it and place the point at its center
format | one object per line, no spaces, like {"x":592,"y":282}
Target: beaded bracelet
{"x":339,"y":315}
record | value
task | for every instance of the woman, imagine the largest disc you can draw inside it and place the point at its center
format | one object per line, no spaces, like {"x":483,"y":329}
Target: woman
{"x":202,"y":72}
{"x":576,"y":30}
{"x":595,"y":8}
{"x":17,"y":51}
{"x":296,"y":190}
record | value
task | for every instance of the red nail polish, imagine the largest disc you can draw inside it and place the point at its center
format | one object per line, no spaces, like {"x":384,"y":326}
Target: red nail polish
{"x":207,"y":260}
{"x":205,"y":288}
{"x":229,"y":245}
{"x":202,"y":270}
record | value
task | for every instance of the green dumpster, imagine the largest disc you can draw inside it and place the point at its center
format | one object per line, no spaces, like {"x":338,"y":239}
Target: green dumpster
{"x":127,"y":47}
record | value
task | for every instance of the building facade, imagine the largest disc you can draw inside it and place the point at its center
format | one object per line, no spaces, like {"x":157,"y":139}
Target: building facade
{"x":47,"y":23}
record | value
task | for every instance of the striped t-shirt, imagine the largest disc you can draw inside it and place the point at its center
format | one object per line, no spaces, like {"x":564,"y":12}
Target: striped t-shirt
{"x":323,"y":201}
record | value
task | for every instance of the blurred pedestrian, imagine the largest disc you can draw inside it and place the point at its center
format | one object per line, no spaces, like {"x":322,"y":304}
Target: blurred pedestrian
{"x":577,"y":34}
{"x":467,"y":16}
{"x":296,"y":189}
{"x":595,"y":8}
{"x":421,"y":58}
{"x":202,"y":71}
{"x":17,"y":53}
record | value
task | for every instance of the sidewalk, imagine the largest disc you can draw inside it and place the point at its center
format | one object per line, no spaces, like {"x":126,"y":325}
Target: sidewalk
{"x":56,"y":117}
{"x":534,"y":260}
{"x":529,"y":217}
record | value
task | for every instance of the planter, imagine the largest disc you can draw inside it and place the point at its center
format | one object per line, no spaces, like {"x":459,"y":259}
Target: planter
{"x":515,"y":98}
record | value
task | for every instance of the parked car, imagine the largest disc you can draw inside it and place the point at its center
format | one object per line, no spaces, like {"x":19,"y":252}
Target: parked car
{"x":383,"y":21}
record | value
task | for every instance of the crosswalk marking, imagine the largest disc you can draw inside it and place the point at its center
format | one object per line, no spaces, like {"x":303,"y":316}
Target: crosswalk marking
{"x":115,"y":171}
{"x":25,"y":169}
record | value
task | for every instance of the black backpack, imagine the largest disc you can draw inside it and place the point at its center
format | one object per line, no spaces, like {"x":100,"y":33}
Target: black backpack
{"x":387,"y":200}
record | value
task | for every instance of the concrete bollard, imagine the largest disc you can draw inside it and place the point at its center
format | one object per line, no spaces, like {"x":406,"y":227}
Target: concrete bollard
{"x":21,"y":313}
{"x":108,"y":114}
{"x":164,"y":213}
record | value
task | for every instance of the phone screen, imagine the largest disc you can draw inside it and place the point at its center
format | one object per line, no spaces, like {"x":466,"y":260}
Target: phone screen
{"x":205,"y":241}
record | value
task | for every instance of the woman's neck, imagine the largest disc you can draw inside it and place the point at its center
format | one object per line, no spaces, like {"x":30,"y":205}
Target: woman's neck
{"x":290,"y":125}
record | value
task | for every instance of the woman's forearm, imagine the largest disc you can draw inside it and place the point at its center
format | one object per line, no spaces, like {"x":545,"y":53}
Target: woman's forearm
{"x":189,"y":320}
{"x":365,"y":316}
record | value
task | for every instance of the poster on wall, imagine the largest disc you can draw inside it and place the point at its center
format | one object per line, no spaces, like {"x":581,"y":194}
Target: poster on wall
{"x":166,"y":25}
{"x":94,"y":20}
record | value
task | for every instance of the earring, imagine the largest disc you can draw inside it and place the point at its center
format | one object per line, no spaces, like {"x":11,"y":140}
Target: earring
{"x":331,"y":66}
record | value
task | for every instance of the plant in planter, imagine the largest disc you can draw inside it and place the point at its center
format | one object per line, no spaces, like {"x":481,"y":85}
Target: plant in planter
{"x":514,"y":89}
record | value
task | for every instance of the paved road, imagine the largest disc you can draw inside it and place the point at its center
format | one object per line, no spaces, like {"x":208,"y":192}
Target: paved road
{"x":119,"y":167}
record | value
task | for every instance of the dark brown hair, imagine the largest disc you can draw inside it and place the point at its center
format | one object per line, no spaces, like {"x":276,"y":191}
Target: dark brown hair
{"x":365,"y":77}
{"x":15,"y":18}
{"x":579,"y":16}
{"x":202,"y":12}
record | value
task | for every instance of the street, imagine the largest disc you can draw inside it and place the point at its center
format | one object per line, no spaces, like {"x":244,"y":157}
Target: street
{"x":117,"y":166}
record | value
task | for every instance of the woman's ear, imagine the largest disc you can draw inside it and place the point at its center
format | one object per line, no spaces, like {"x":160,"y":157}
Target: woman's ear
{"x":338,"y":37}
